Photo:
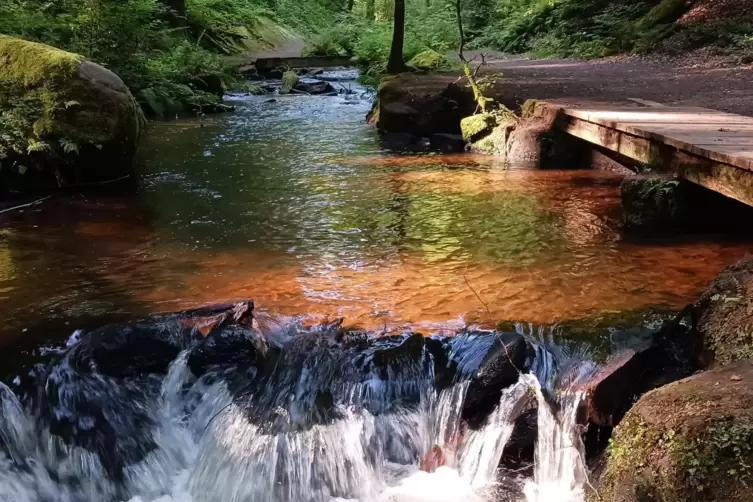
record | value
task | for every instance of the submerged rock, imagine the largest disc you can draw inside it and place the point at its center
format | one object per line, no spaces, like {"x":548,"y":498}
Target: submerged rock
{"x":66,"y":120}
{"x":315,"y":87}
{"x":691,"y":440}
{"x":724,"y":315}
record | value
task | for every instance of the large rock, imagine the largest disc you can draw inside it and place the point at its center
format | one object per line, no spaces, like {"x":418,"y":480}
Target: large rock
{"x":724,"y":315}
{"x":688,"y":441}
{"x":410,"y":104}
{"x":64,"y":120}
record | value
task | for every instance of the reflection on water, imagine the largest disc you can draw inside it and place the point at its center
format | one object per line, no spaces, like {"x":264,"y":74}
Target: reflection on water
{"x":292,"y":203}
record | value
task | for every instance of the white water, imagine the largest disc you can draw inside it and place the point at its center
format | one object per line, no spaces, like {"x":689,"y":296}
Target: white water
{"x":208,"y":451}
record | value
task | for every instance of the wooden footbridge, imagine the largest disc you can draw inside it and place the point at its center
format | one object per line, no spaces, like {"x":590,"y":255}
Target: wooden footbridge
{"x":711,"y":148}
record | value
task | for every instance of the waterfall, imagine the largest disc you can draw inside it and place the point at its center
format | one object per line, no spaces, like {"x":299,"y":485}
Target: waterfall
{"x":207,"y":447}
{"x":559,"y":468}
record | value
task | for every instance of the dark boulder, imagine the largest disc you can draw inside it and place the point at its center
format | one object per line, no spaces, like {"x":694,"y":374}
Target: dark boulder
{"x":149,"y":346}
{"x":503,"y":361}
{"x":314,"y":87}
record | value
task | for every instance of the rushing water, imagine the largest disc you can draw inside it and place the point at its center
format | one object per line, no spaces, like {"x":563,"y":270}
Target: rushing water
{"x":207,"y":446}
{"x":293,"y":202}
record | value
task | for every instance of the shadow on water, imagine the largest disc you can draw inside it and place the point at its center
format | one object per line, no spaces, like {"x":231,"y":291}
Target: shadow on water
{"x":292,"y":202}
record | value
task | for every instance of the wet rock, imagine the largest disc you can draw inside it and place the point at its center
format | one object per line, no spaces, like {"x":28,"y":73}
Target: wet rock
{"x":209,"y":83}
{"x":724,"y":316}
{"x":687,"y":441}
{"x":150,"y":345}
{"x":526,"y":145}
{"x":654,"y":205}
{"x":314,"y":87}
{"x":447,"y":143}
{"x":80,"y":122}
{"x":232,"y":345}
{"x":504,"y":358}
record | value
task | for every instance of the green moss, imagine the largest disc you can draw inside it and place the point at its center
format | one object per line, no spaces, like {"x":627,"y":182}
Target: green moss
{"x":475,"y":126}
{"x":289,"y":81}
{"x":429,"y":60}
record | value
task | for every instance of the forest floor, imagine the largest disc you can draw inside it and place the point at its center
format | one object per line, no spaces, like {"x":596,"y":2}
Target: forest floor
{"x":694,"y":79}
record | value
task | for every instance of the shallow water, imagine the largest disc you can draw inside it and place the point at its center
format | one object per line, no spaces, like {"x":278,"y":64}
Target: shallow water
{"x":295,"y":204}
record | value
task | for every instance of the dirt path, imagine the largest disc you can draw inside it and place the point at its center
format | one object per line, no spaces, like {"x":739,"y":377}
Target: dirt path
{"x":691,"y":81}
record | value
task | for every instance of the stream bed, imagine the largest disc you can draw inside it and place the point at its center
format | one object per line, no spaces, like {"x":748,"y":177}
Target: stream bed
{"x":294,"y":202}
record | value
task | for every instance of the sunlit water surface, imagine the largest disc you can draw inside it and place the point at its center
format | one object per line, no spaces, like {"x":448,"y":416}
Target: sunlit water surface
{"x":295,"y":204}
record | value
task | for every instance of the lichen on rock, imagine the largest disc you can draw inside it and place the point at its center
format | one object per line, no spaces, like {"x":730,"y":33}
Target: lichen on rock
{"x":429,"y":60}
{"x":62,"y":117}
{"x":688,"y":441}
{"x":725,"y":315}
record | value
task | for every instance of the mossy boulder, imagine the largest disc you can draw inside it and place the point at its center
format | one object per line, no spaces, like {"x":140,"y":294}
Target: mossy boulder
{"x":63,"y":120}
{"x":290,"y":79}
{"x":654,"y":205}
{"x":429,"y":60}
{"x":689,"y":441}
{"x":724,"y":315}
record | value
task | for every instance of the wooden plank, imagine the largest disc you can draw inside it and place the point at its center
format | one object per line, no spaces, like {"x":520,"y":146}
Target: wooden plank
{"x":713,"y":149}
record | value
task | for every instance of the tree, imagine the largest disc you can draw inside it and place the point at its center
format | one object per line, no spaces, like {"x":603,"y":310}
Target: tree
{"x":396,"y":63}
{"x":370,"y":9}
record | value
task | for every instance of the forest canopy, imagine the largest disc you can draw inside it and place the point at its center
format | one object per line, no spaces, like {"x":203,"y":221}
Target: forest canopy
{"x":166,"y":50}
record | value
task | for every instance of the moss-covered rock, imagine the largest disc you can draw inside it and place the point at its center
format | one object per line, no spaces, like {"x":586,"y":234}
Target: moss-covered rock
{"x":289,"y":80}
{"x":725,"y":315}
{"x":688,"y":441}
{"x":63,"y":120}
{"x":475,"y":127}
{"x":429,"y":60}
{"x":654,"y":204}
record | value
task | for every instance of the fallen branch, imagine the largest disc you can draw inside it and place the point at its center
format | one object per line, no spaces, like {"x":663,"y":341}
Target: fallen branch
{"x":38,"y":201}
{"x":95,"y":183}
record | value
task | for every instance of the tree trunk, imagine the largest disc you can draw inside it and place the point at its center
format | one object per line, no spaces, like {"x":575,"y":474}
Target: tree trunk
{"x":177,"y":14}
{"x":350,"y":5}
{"x":370,"y":10}
{"x":396,"y":63}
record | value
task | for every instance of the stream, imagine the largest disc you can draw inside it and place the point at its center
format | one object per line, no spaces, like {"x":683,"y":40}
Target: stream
{"x":294,"y":202}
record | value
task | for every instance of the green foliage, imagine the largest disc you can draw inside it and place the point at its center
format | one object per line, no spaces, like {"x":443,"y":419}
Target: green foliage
{"x":429,"y":60}
{"x":158,"y":55}
{"x":726,"y":452}
{"x":579,"y":28}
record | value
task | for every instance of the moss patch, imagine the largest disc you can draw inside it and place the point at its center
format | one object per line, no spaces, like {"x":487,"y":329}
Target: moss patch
{"x":687,"y":441}
{"x":476,"y":126}
{"x":725,"y":315}
{"x":289,"y":80}
{"x":57,"y":108}
{"x":429,"y":60}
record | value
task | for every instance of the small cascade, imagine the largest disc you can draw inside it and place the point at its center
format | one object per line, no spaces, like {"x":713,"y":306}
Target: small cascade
{"x":559,"y":468}
{"x":389,"y":433}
